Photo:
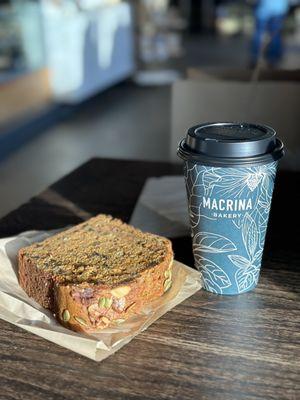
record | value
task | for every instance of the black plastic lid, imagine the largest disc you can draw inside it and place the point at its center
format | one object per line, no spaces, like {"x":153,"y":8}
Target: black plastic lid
{"x":230,"y":144}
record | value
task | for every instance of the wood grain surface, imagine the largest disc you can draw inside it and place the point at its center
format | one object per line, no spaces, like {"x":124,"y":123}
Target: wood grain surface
{"x":209,"y":347}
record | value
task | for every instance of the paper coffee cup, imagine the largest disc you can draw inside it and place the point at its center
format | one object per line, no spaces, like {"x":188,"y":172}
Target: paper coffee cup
{"x":230,"y":170}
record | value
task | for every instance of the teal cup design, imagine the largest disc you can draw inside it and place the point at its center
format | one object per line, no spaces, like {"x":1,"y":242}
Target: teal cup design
{"x":229,"y":186}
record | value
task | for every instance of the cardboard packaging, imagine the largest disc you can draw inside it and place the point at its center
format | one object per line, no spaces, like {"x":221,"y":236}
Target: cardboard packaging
{"x":208,"y":99}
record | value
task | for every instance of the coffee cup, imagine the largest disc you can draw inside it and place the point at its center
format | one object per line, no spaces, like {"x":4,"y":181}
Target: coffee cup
{"x":229,"y":171}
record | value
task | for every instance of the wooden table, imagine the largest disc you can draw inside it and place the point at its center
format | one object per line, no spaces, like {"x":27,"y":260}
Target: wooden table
{"x":209,"y":347}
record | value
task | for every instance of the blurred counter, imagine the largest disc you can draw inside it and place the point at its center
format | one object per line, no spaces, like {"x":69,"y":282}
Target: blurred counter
{"x":87,"y":48}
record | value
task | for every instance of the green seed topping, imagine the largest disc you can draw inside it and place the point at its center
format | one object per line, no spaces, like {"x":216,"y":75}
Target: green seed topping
{"x":101,"y":302}
{"x":81,"y":321}
{"x":105,"y":302}
{"x":167,"y":284}
{"x":119,"y":321}
{"x":66,"y":315}
{"x":168,"y":274}
{"x":108,"y":302}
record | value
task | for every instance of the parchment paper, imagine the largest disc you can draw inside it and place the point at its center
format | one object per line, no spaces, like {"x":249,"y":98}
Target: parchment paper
{"x":17,"y":308}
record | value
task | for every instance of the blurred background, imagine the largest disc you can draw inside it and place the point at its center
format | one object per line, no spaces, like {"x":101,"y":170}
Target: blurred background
{"x":125,"y":79}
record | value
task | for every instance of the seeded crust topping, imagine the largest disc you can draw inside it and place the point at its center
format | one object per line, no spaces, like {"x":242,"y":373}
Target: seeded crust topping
{"x":103,"y":250}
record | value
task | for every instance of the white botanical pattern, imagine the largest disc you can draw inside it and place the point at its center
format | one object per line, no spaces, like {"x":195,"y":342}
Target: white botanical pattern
{"x":250,"y":234}
{"x":210,"y":179}
{"x":194,"y":185}
{"x":250,"y":227}
{"x":214,"y":278}
{"x":247,"y":273}
{"x":209,"y":242}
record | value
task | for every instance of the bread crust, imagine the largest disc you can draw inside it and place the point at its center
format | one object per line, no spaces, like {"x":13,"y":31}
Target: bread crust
{"x":37,"y":283}
{"x":90,"y":307}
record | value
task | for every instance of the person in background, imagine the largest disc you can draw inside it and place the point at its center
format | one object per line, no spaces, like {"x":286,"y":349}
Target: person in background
{"x":269,"y":16}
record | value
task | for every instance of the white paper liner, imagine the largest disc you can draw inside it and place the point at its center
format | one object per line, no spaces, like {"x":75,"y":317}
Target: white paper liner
{"x":17,"y":308}
{"x":162,"y":207}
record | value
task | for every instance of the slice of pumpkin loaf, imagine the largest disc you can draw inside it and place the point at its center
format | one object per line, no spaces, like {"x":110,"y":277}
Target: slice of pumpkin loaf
{"x":97,"y":273}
